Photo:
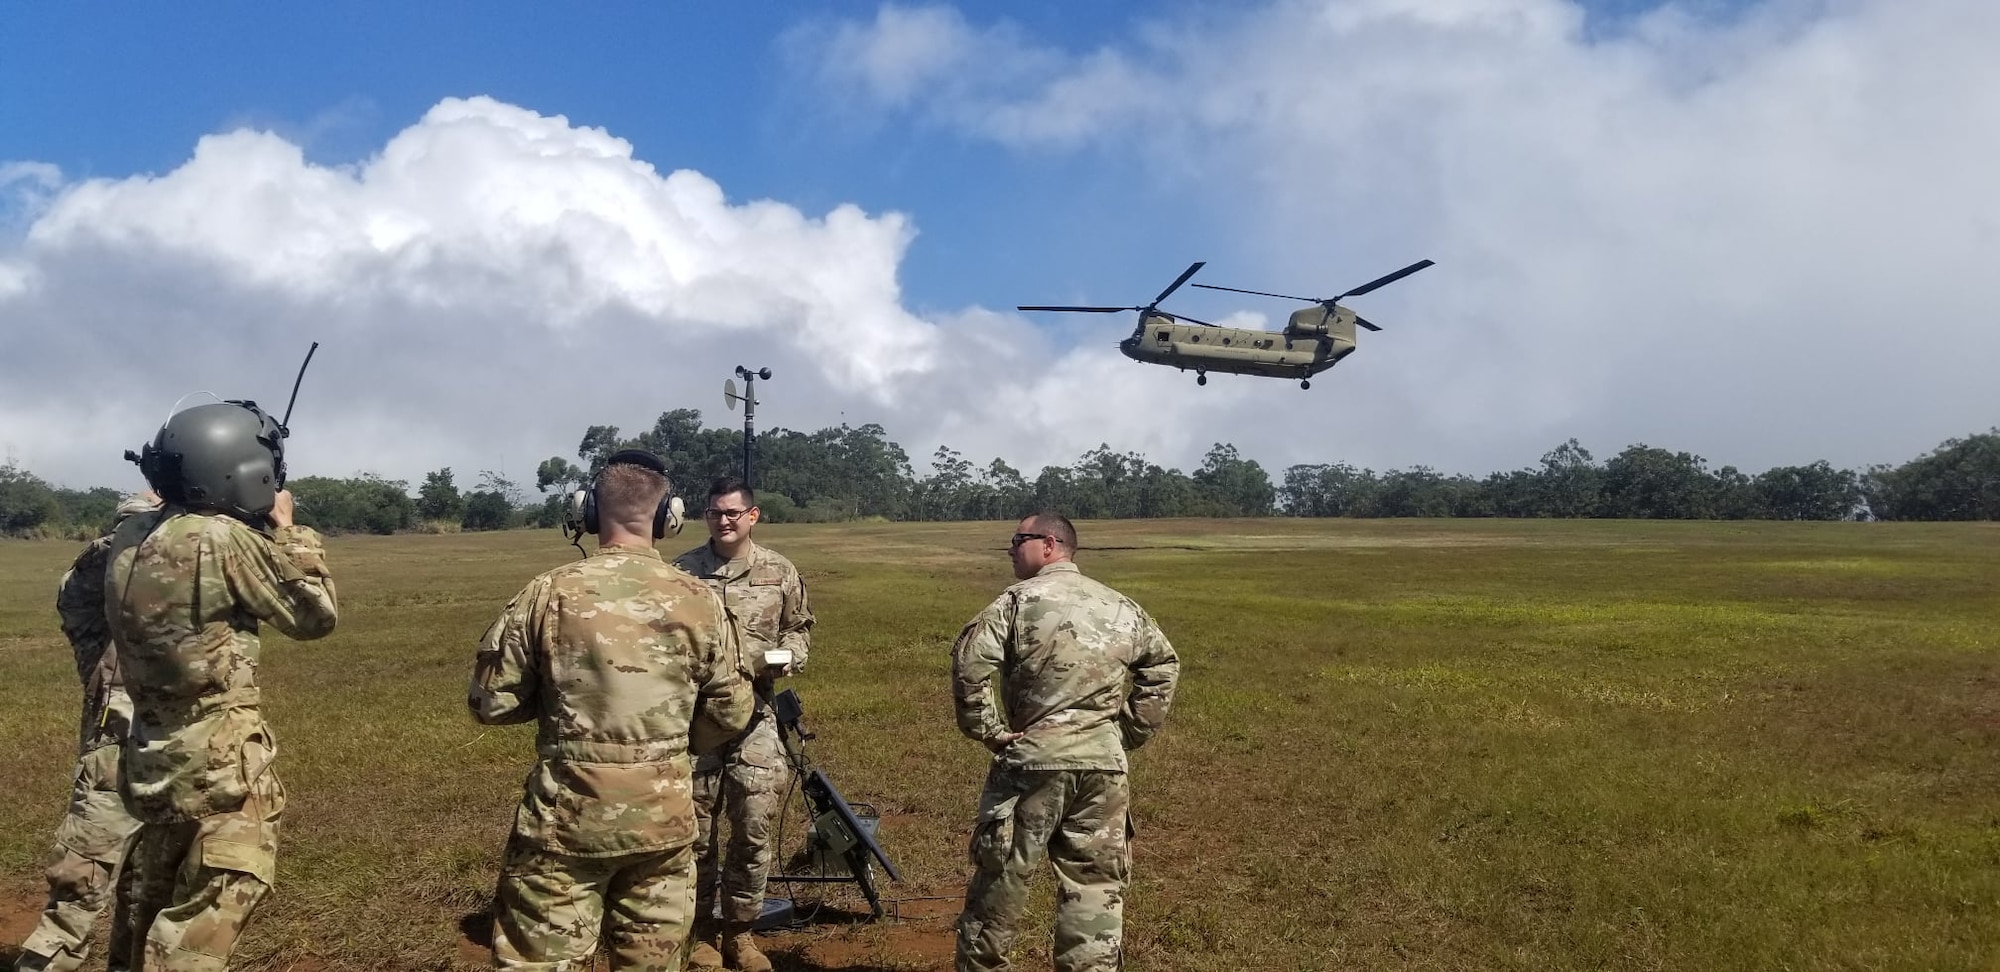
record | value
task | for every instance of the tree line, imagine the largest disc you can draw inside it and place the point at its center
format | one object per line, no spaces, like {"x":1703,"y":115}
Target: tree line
{"x":847,"y":473}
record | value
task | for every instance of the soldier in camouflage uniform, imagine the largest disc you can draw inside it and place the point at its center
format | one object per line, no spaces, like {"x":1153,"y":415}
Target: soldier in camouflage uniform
{"x":1086,"y":675}
{"x":745,"y":781}
{"x":627,"y":664}
{"x":93,"y":839}
{"x":188,"y":587}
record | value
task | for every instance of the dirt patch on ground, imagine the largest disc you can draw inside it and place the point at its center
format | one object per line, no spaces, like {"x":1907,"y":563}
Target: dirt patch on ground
{"x":475,"y":941}
{"x":20,"y":908}
{"x":918,"y":939}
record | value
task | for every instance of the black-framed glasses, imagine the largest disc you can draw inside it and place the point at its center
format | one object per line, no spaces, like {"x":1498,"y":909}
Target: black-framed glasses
{"x":1021,"y":538}
{"x":728,"y":514}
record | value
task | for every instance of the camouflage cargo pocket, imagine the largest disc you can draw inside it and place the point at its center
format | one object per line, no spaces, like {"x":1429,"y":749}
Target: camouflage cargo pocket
{"x":246,"y":840}
{"x":227,"y":855}
{"x":99,"y":825}
{"x":993,"y":836}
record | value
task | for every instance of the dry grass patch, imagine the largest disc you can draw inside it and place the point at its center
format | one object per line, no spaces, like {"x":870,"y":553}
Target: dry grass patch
{"x":1420,"y":745}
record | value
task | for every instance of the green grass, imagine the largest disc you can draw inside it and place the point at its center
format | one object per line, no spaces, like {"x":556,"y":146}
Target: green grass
{"x":1407,"y":744}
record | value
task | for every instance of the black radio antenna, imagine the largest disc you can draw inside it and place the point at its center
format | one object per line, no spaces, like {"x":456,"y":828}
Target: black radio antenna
{"x":285,"y":424}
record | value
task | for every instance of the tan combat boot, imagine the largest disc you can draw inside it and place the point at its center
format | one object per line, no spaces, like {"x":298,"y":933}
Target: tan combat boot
{"x":704,"y":956}
{"x":739,"y":949}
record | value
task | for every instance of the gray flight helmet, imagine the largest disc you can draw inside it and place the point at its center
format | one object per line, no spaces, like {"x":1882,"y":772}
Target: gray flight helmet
{"x":228,"y":457}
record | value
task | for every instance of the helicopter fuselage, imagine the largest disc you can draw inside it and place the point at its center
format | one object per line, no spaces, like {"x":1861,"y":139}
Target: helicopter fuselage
{"x":1312,"y":341}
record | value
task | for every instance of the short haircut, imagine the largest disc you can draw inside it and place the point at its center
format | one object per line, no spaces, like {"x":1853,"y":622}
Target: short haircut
{"x":1055,"y":525}
{"x":731,"y":484}
{"x":626,"y":491}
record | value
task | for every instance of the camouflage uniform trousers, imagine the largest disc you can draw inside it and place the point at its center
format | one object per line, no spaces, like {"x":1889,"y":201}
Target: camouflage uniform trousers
{"x":196,"y":882}
{"x":745,"y":782}
{"x":553,"y":907}
{"x":1079,"y":820}
{"x":91,"y":845}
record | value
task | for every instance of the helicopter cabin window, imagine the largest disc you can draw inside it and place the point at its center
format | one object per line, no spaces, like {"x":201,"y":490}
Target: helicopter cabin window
{"x":1225,"y":342}
{"x":1162,"y":336}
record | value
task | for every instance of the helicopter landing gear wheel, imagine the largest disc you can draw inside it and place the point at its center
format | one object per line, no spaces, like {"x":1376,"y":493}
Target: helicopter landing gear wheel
{"x":1304,"y":383}
{"x":1200,"y":379}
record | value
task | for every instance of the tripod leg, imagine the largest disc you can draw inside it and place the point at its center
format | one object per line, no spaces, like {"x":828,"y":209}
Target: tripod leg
{"x":863,"y":870}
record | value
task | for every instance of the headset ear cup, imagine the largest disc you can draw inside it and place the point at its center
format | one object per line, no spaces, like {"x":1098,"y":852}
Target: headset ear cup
{"x":667,"y":519}
{"x":590,"y":509}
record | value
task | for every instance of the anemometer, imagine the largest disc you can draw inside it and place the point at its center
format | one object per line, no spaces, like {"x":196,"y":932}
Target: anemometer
{"x":749,"y":400}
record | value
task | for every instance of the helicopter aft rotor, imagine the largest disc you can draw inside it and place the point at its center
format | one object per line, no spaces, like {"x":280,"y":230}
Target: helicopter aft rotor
{"x":1329,"y":302}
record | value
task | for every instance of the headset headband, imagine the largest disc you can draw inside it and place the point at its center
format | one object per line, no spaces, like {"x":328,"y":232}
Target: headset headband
{"x":637,"y":457}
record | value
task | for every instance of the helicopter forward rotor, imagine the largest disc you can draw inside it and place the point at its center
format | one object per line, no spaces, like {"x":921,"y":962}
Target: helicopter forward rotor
{"x":1152,"y":308}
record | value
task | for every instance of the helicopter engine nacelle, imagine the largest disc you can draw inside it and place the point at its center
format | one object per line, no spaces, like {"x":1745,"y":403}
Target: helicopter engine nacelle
{"x":1317,"y":322}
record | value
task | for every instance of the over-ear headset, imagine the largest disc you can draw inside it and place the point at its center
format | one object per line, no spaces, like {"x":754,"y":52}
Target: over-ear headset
{"x":667,"y":519}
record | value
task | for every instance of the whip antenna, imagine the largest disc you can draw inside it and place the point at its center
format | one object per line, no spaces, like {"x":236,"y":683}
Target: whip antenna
{"x":285,"y":424}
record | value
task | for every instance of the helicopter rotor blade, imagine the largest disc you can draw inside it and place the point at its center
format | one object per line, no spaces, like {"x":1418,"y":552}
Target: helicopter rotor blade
{"x":1176,"y":285}
{"x":1260,"y":293}
{"x":1360,"y":321}
{"x":1078,"y":310}
{"x":1190,"y":320}
{"x":1385,"y":281}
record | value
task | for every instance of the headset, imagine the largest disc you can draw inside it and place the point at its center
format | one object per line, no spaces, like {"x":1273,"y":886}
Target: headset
{"x":667,"y":519}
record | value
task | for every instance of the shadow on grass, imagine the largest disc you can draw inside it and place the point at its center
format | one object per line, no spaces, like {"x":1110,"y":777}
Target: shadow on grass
{"x":477,"y":929}
{"x":809,"y":917}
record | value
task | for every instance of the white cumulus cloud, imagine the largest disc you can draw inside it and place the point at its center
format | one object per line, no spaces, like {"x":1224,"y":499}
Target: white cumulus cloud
{"x":487,"y":285}
{"x":1760,"y":232}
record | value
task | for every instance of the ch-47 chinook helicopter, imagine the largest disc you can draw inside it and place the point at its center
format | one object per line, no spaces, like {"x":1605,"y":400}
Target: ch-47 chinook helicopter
{"x":1313,"y":340}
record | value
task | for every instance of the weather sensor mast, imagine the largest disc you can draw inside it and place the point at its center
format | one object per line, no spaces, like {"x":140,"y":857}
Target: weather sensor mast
{"x":749,"y":400}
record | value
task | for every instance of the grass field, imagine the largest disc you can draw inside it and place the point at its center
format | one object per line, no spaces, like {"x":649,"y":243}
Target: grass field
{"x":1403,"y":744}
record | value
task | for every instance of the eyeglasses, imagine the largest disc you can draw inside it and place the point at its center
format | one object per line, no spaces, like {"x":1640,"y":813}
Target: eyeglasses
{"x":728,"y":514}
{"x":1021,"y":538}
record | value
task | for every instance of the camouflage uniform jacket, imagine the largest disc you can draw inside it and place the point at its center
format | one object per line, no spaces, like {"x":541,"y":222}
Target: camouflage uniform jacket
{"x":626,"y":663}
{"x":1086,"y":674}
{"x":185,"y":594}
{"x":107,"y":710}
{"x":766,"y":599}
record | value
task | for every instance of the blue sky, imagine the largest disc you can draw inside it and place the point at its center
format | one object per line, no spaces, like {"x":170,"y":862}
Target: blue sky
{"x":1652,"y":221}
{"x":701,"y":86}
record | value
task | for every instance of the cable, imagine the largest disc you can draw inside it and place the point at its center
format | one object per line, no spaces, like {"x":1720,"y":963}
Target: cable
{"x":799,"y":764}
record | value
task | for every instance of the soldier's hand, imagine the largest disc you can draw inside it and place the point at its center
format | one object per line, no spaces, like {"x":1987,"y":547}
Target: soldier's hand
{"x":1000,"y":742}
{"x":281,"y":509}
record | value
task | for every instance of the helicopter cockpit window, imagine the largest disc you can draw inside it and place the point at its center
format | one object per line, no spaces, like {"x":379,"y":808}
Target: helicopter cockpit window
{"x":1161,"y":335}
